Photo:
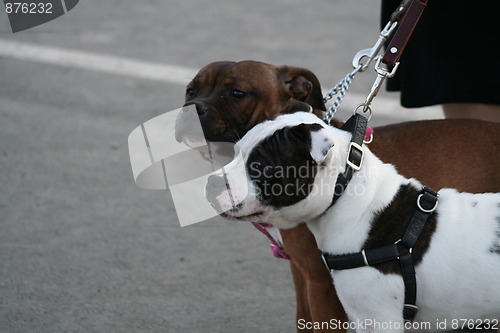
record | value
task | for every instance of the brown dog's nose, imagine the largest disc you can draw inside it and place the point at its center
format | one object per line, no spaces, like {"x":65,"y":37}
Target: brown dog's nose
{"x":201,"y":108}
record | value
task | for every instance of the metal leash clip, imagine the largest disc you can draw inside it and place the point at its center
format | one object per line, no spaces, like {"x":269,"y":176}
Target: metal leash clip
{"x":365,"y":108}
{"x":360,"y":62}
{"x":382,"y":74}
{"x":369,"y":54}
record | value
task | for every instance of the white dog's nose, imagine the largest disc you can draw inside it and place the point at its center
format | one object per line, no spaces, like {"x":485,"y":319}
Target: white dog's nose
{"x":216,"y":185}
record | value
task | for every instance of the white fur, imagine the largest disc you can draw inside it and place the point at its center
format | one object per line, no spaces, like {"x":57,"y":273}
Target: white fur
{"x":458,"y":278}
{"x":321,"y":148}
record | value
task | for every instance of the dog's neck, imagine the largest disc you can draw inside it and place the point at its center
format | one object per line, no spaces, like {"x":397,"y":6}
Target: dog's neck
{"x":346,"y":225}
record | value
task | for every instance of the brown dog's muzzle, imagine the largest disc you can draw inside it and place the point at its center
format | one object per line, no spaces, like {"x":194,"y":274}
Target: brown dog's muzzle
{"x":201,"y":108}
{"x":217,"y":126}
{"x":196,"y":113}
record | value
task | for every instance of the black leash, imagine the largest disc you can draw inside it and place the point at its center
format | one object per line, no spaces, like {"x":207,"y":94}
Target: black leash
{"x":401,"y":250}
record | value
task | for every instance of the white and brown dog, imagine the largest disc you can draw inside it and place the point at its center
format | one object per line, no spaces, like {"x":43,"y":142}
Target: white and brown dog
{"x":292,"y":164}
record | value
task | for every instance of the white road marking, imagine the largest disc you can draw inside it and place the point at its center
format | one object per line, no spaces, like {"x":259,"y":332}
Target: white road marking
{"x":96,"y":62}
{"x":173,"y":74}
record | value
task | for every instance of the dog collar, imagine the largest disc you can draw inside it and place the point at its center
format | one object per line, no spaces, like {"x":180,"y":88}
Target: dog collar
{"x":356,"y":125}
{"x":368,"y":134}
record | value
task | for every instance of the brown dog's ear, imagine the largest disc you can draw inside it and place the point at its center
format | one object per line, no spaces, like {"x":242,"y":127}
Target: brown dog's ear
{"x":294,"y":105}
{"x":301,"y":84}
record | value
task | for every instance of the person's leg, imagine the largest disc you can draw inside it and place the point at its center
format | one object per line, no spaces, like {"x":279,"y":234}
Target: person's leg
{"x":488,"y":112}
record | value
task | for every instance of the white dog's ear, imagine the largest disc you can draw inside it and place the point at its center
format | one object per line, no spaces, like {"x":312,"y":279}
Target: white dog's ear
{"x":321,"y":148}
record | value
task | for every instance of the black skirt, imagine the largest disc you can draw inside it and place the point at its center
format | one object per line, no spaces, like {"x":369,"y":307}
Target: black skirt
{"x":453,"y":55}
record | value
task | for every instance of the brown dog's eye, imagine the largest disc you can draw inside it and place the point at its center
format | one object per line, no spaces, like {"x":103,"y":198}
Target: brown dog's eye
{"x":238,"y":93}
{"x":190,"y":92}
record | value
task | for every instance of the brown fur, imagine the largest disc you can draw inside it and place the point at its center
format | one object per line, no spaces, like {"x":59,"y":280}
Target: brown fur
{"x":270,"y":91}
{"x":462,"y":154}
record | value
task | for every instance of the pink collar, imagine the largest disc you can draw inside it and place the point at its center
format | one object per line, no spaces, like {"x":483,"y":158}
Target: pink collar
{"x":277,"y":250}
{"x":368,"y":134}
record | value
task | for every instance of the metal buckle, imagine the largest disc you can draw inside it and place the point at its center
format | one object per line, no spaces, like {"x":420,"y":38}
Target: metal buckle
{"x":411,"y":307}
{"x":369,"y":140}
{"x":364,"y":257}
{"x":326,"y":264}
{"x":410,"y":250}
{"x":425,"y":210}
{"x":349,"y":162}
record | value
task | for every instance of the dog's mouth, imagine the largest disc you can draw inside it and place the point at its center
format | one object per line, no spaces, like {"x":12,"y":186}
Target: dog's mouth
{"x":253,"y":217}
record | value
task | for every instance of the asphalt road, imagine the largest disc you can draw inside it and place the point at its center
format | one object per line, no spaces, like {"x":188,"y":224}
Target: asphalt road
{"x":82,"y":248}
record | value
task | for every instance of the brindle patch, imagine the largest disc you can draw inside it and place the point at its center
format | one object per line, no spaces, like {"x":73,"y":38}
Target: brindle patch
{"x":281,"y":166}
{"x":389,"y":225}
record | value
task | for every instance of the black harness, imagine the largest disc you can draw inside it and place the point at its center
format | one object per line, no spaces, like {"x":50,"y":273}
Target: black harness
{"x":400,"y":250}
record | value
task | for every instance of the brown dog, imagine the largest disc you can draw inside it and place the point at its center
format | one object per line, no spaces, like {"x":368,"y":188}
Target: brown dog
{"x":232,"y":97}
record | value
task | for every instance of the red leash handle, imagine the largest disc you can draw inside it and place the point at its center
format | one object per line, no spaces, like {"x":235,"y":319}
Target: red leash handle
{"x":406,"y":26}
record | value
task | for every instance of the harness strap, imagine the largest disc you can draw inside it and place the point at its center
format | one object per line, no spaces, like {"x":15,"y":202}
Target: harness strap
{"x":410,"y":282}
{"x":426,"y":204}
